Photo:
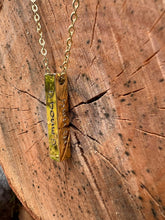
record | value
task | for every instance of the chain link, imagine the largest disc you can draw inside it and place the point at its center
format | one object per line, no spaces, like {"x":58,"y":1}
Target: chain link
{"x":41,"y":39}
{"x":71,"y":31}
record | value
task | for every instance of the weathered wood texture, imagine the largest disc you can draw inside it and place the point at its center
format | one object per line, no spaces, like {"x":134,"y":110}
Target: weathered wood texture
{"x":117,"y":101}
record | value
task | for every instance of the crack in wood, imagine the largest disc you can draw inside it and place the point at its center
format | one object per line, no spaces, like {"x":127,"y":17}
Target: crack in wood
{"x":38,"y":122}
{"x":151,"y":133}
{"x":123,"y":5}
{"x":93,"y":180}
{"x":33,"y":125}
{"x":161,"y":108}
{"x":13,"y":129}
{"x":93,"y":61}
{"x":24,"y":132}
{"x":145,"y":63}
{"x":123,"y":119}
{"x":34,"y":97}
{"x":118,"y":75}
{"x":16,"y":108}
{"x":92,"y":138}
{"x":36,"y":142}
{"x":10,"y":108}
{"x":156,"y":21}
{"x":86,"y":135}
{"x":94,"y":99}
{"x":132,"y":92}
{"x":154,"y":47}
{"x":77,"y":78}
{"x":149,"y":58}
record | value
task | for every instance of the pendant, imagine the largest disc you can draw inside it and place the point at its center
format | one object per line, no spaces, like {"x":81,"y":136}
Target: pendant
{"x":57,"y":116}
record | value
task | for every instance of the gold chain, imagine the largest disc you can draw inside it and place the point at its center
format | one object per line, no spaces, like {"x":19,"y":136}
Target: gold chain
{"x":71,"y":30}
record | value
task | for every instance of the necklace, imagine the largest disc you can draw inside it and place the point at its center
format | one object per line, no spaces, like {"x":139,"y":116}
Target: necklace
{"x":56,"y":92}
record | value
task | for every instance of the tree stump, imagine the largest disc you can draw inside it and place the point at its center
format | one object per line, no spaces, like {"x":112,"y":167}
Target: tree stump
{"x":117,"y":109}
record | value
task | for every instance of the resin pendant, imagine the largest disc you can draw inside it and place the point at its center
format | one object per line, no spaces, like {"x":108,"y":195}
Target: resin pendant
{"x":57,"y":116}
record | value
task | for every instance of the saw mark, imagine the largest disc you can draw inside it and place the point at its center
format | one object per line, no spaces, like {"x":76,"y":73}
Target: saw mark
{"x":92,"y":179}
{"x":118,"y":52}
{"x":111,"y":164}
{"x":154,"y":200}
{"x":94,"y":25}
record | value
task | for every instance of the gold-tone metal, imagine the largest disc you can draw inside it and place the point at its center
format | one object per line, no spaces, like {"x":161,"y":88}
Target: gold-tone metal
{"x":71,"y":31}
{"x":56,"y":92}
{"x":57,"y":117}
{"x":41,"y":39}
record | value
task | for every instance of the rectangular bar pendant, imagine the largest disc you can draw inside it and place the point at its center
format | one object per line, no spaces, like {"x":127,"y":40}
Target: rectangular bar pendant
{"x":57,"y":116}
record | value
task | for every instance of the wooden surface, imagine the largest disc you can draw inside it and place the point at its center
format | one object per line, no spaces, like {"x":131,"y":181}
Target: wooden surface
{"x":117,"y":101}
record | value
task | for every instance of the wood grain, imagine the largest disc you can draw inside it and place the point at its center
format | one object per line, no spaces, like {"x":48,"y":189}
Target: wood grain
{"x":117,"y":109}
